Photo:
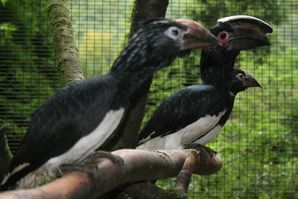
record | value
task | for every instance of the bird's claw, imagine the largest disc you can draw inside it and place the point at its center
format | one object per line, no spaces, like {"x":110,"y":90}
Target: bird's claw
{"x":197,"y":146}
{"x":103,"y":154}
{"x":89,"y":164}
{"x":64,"y":168}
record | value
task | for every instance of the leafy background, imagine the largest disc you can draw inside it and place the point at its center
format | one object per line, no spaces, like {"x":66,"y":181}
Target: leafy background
{"x":259,"y":144}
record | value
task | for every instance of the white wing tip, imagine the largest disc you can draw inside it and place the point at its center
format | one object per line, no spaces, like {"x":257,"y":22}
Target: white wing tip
{"x":15,"y":170}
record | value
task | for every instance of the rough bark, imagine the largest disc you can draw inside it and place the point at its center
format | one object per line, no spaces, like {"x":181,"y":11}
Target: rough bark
{"x":105,"y":176}
{"x":147,"y":190}
{"x":65,"y":47}
{"x":129,"y":131}
{"x":5,"y":154}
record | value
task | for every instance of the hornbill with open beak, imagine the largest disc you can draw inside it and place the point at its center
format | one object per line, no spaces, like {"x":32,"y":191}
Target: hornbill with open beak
{"x":197,"y":113}
{"x":83,"y":116}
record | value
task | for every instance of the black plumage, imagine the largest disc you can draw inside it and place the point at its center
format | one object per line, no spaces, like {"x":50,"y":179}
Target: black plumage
{"x":240,"y":82}
{"x":81,"y":117}
{"x":197,"y":113}
{"x":187,"y":106}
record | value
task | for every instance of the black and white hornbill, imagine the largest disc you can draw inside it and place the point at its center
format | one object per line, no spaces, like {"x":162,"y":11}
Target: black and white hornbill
{"x":197,"y":113}
{"x":83,"y":116}
{"x":240,"y":82}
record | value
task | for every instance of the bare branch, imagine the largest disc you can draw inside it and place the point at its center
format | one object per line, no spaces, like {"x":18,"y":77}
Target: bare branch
{"x":66,"y":50}
{"x":105,"y":176}
{"x":184,"y":176}
{"x":148,"y":190}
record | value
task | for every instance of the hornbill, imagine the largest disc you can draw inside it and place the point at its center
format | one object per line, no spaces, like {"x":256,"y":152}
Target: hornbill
{"x":197,"y":113}
{"x":83,"y":116}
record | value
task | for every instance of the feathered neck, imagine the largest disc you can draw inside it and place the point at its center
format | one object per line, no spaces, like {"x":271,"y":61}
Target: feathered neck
{"x":217,"y":67}
{"x":138,"y":61}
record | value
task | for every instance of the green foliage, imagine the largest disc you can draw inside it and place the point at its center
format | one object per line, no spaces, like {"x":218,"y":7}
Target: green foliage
{"x":101,"y":40}
{"x":27,"y":72}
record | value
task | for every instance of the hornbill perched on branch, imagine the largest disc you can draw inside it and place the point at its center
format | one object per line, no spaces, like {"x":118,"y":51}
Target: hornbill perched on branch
{"x":83,"y":116}
{"x":197,"y":113}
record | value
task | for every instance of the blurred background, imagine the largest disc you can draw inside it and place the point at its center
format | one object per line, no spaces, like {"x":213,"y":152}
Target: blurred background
{"x":259,"y":144}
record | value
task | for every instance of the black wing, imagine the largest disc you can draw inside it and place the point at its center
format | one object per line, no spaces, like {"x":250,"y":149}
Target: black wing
{"x":181,"y":109}
{"x":58,"y":124}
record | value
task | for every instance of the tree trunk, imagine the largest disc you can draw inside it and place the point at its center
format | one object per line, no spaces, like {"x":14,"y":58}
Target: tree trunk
{"x":66,"y":50}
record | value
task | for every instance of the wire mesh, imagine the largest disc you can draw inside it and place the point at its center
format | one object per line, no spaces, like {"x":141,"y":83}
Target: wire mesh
{"x":259,"y":144}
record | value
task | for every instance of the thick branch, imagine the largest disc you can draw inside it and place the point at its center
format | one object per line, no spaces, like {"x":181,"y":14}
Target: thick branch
{"x":184,"y":176}
{"x":148,"y":190}
{"x":66,"y":51}
{"x":138,"y":166}
{"x":5,"y":154}
{"x":128,"y":133}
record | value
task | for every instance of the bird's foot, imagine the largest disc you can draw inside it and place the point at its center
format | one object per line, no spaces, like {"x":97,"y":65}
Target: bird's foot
{"x":89,"y":164}
{"x":197,"y":146}
{"x":86,"y":168}
{"x":104,"y":154}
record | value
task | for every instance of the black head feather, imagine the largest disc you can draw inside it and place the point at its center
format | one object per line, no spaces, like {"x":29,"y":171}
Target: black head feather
{"x":241,"y":81}
{"x":216,"y":66}
{"x":149,"y":47}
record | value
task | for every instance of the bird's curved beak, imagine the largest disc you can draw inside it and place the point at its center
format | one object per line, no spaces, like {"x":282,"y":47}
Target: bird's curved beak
{"x":250,"y":81}
{"x":196,"y":35}
{"x":248,"y":32}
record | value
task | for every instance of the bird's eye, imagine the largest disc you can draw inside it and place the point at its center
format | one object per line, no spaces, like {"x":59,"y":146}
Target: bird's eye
{"x":173,"y":32}
{"x":223,"y":37}
{"x":240,"y":76}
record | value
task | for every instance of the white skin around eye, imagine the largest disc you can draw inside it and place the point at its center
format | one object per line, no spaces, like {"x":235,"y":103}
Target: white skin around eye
{"x":173,"y":32}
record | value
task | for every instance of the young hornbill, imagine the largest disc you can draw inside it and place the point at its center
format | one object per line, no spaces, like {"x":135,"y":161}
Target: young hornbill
{"x":83,"y":116}
{"x":197,"y":113}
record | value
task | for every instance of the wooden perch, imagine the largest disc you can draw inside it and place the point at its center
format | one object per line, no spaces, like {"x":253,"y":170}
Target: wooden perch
{"x":138,"y":166}
{"x":148,"y":190}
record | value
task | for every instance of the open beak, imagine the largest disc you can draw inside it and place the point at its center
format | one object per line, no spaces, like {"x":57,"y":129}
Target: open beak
{"x":196,"y":35}
{"x":250,"y":81}
{"x":248,"y":32}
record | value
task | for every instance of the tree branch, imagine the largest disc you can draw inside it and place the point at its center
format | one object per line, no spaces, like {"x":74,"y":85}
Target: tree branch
{"x":184,"y":176}
{"x":148,"y":190}
{"x":66,"y":50}
{"x":5,"y":153}
{"x":105,"y":176}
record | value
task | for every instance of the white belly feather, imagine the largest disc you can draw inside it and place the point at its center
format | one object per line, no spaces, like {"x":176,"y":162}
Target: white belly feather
{"x":91,"y":142}
{"x":186,"y":135}
{"x":79,"y":151}
{"x":211,"y":135}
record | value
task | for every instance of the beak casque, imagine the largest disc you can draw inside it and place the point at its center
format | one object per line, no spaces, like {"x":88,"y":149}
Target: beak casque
{"x":196,"y":35}
{"x":248,"y":32}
